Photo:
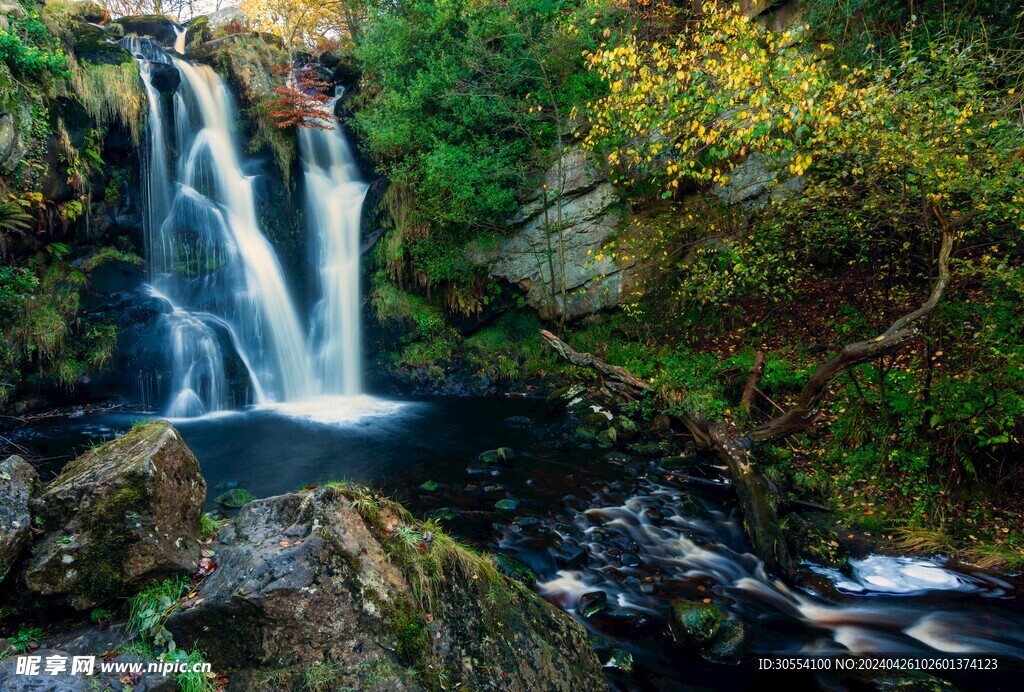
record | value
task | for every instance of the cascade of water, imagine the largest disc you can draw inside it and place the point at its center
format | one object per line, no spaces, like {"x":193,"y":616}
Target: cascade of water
{"x":334,"y":201}
{"x":207,"y":255}
{"x":180,"y":33}
{"x":679,"y":551}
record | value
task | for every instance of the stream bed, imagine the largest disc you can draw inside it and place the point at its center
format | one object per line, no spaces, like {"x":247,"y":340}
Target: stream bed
{"x":606,"y":533}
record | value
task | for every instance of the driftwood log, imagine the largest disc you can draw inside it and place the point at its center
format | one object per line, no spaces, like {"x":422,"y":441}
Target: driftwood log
{"x":759,"y":499}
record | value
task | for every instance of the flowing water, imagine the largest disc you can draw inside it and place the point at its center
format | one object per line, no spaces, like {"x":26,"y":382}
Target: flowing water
{"x":334,"y":202}
{"x":226,"y":293}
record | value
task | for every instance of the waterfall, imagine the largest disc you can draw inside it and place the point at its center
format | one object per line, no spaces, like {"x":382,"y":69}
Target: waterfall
{"x":208,"y":257}
{"x":180,"y":34}
{"x":334,"y":201}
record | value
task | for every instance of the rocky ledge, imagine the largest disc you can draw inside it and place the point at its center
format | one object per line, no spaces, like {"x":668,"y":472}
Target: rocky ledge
{"x":337,"y":584}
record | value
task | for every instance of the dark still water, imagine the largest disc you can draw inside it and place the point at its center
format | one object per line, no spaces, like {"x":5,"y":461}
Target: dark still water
{"x":608,"y":535}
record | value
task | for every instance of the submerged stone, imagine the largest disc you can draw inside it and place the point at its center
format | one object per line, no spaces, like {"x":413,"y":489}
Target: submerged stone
{"x":429,"y":486}
{"x":501,"y":455}
{"x":509,"y":504}
{"x":519,"y":421}
{"x":591,"y":603}
{"x":569,"y":556}
{"x":629,"y":560}
{"x":728,"y":645}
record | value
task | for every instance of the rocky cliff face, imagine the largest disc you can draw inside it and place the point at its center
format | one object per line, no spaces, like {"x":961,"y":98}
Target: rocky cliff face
{"x":554,"y":252}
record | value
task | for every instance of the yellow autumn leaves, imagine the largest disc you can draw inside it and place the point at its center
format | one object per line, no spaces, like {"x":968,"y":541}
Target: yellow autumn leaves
{"x":693,"y":107}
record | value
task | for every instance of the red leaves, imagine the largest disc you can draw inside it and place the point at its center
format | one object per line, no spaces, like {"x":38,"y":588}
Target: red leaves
{"x":206,"y":567}
{"x":301,"y":102}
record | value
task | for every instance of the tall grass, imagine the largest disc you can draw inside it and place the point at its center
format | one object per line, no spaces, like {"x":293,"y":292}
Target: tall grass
{"x":111,"y":94}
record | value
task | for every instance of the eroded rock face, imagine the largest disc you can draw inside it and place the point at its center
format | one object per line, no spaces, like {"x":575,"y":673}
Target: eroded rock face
{"x":588,"y":218}
{"x":118,"y":517}
{"x":19,"y":482}
{"x":304,"y":581}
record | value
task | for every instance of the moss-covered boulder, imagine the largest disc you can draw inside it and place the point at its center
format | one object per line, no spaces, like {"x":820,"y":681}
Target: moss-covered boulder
{"x":729,"y":645}
{"x":343,"y":583}
{"x":19,"y":482}
{"x":694,"y":624}
{"x":97,"y":45}
{"x":234,"y":498}
{"x":118,"y":517}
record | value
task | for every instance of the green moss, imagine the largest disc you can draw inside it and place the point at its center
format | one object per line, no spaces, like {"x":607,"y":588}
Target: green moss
{"x":108,"y":548}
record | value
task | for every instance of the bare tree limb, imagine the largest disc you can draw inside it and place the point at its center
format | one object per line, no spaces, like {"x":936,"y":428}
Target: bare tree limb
{"x":903,"y":330}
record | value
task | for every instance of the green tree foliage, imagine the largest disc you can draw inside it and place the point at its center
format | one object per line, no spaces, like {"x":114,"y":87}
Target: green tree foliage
{"x":27,"y":47}
{"x":920,"y":136}
{"x":458,"y":107}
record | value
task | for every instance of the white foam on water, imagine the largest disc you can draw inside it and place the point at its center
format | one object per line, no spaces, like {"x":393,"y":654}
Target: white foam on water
{"x":335,"y":410}
{"x":895,"y":575}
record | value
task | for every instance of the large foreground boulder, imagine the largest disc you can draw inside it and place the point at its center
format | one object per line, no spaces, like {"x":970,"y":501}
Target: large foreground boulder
{"x":118,"y":517}
{"x":344,"y":587}
{"x":18,"y":483}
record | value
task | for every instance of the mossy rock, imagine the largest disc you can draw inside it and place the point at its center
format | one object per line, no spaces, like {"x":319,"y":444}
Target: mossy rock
{"x":429,"y":486}
{"x":118,"y":517}
{"x":87,"y":11}
{"x":626,"y":428}
{"x":620,"y":659}
{"x":694,"y":624}
{"x":597,"y":421}
{"x":691,"y":508}
{"x":198,"y":31}
{"x":96,"y":45}
{"x":154,"y":26}
{"x":606,"y":439}
{"x":813,"y":538}
{"x":318,"y":580}
{"x":514,"y":569}
{"x":592,"y":603}
{"x":501,"y":455}
{"x":675,"y":463}
{"x":235,"y":498}
{"x":649,"y":448}
{"x":729,"y":645}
